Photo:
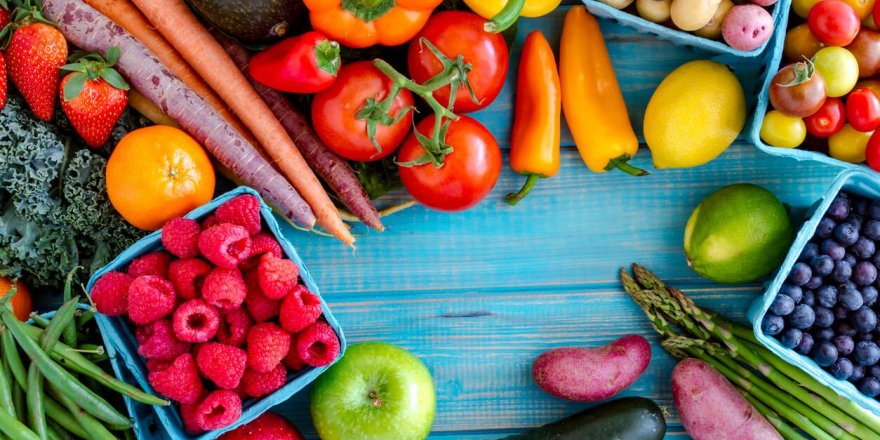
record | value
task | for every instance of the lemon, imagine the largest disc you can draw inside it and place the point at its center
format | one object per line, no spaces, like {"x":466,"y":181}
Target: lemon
{"x":738,"y":234}
{"x":694,"y":115}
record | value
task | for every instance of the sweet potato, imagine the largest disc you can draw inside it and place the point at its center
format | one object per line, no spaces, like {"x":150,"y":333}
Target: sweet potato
{"x":592,"y":374}
{"x":712,"y":409}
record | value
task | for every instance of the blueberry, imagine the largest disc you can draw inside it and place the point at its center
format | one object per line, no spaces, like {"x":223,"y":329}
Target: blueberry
{"x":869,"y":295}
{"x":790,"y":338}
{"x":800,"y":274}
{"x":824,"y":317}
{"x":850,"y":298}
{"x":864,"y":337}
{"x":874,"y":210}
{"x":862,"y":207}
{"x":822,"y":265}
{"x":824,"y":353}
{"x":857,"y":374}
{"x":792,"y":291}
{"x":809,"y":251}
{"x":864,"y":320}
{"x":825,"y":227}
{"x":871,"y":229}
{"x":806,"y":344}
{"x":802,"y":317}
{"x":823,"y":334}
{"x":844,"y":344}
{"x":842,"y":272}
{"x":866,"y":353}
{"x":842,"y":368}
{"x":815,"y":282}
{"x":809,"y":298}
{"x":856,"y":220}
{"x":870,"y":386}
{"x":846,"y":234}
{"x":873,"y":370}
{"x":839,"y":209}
{"x":772,"y":324}
{"x":782,"y":305}
{"x":851,"y":259}
{"x":826,"y":296}
{"x":864,"y":273}
{"x":863,"y":248}
{"x":840,"y":312}
{"x":844,"y":328}
{"x":833,"y":249}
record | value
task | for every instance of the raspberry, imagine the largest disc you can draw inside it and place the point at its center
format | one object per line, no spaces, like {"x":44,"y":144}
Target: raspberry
{"x":150,"y":298}
{"x":318,"y":345}
{"x":157,"y":365}
{"x":110,"y":293}
{"x":196,"y":321}
{"x":262,"y":243}
{"x":277,"y":276}
{"x":292,"y":360}
{"x":243,"y":211}
{"x":157,"y":341}
{"x":187,"y":276}
{"x":225,"y":245}
{"x":188,"y":415}
{"x":222,"y":364}
{"x":154,"y":263}
{"x":224,"y":288}
{"x":181,"y":237}
{"x":299,"y":309}
{"x":235,"y":325}
{"x":180,"y":381}
{"x":260,"y":307}
{"x":267,"y":344}
{"x":257,"y":384}
{"x":269,"y":426}
{"x":210,"y":221}
{"x":219,"y":409}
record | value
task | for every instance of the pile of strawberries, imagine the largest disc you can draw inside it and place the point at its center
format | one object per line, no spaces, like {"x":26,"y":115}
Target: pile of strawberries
{"x":221,"y":316}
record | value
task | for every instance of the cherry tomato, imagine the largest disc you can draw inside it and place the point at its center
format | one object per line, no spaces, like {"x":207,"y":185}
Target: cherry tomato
{"x":863,"y":109}
{"x":800,"y":43}
{"x":863,"y":8}
{"x":335,"y":113}
{"x":866,"y":49}
{"x":839,"y":68}
{"x":802,"y":7}
{"x":872,"y":151}
{"x":834,"y":22}
{"x":798,"y":90}
{"x":468,"y":173}
{"x":873,"y":84}
{"x":876,"y":14}
{"x":828,"y":120}
{"x":779,"y":130}
{"x":849,"y":144}
{"x":461,"y":33}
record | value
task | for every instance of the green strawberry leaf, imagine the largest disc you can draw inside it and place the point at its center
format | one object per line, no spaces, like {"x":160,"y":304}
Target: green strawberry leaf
{"x":114,"y":78}
{"x":113,"y":55}
{"x":74,"y":85}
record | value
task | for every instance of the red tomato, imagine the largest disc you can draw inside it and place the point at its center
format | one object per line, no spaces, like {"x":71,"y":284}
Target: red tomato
{"x":461,"y":33}
{"x":828,"y":120}
{"x":872,"y":151}
{"x":863,"y":110}
{"x":468,"y":173}
{"x":834,"y":22}
{"x":304,"y":64}
{"x":335,"y":113}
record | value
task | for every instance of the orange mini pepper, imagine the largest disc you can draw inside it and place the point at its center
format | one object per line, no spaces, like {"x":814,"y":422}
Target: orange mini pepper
{"x":534,"y":144}
{"x":364,"y":23}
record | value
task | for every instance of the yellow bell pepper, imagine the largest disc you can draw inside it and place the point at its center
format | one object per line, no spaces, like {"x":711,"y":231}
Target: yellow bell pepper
{"x":592,"y":102}
{"x":489,"y":9}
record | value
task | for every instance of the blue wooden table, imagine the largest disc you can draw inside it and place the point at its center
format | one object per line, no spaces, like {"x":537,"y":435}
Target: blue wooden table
{"x":478,"y":295}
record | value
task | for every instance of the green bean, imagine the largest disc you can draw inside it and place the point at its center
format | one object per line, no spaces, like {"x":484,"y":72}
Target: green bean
{"x":61,"y":378}
{"x":129,"y":435}
{"x":15,"y":429}
{"x":13,"y":359}
{"x":69,"y":330}
{"x":39,"y":320}
{"x":6,"y":391}
{"x":18,"y":401}
{"x":58,"y":414}
{"x":58,"y":430}
{"x":59,"y":323}
{"x":51,"y":434}
{"x":84,"y":318}
{"x":34,"y":397}
{"x":92,"y":426}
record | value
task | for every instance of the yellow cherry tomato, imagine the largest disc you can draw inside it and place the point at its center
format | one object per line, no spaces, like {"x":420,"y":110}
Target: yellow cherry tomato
{"x":802,"y":7}
{"x":863,"y":8}
{"x":779,"y":130}
{"x":849,"y":144}
{"x":839,"y":68}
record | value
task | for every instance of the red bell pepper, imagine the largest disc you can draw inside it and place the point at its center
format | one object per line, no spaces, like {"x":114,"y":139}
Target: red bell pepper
{"x":303,"y":64}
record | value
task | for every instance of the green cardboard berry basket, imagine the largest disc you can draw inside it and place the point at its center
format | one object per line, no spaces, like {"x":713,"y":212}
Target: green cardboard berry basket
{"x":119,"y":336}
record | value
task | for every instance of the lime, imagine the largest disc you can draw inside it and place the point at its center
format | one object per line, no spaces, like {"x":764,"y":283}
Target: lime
{"x":738,"y":234}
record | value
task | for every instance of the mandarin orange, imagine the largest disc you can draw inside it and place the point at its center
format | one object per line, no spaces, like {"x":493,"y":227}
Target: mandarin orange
{"x":21,"y":301}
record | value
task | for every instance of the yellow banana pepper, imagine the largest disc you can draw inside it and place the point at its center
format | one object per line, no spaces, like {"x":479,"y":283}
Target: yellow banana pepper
{"x":531,"y":8}
{"x":592,"y":102}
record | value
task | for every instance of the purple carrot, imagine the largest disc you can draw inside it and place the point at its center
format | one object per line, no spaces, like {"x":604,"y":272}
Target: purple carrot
{"x":90,"y":30}
{"x":332,"y":168}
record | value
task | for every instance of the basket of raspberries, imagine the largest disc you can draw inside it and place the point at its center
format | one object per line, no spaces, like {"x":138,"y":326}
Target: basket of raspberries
{"x":216,"y":312}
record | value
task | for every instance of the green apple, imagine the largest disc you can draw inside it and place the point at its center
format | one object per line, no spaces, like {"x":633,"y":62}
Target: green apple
{"x":377,"y":391}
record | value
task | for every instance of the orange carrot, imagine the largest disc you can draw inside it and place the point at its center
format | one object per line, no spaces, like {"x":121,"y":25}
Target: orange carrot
{"x":182,"y":29}
{"x":125,"y":14}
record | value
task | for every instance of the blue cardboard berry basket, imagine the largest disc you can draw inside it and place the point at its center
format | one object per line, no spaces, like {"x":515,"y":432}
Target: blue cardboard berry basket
{"x":858,"y":182}
{"x":120,"y":338}
{"x":779,"y":13}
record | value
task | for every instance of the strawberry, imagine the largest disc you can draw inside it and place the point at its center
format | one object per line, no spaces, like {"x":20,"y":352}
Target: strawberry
{"x":5,"y":17}
{"x":2,"y":80}
{"x":35,"y":52}
{"x":94,"y":96}
{"x":269,"y":426}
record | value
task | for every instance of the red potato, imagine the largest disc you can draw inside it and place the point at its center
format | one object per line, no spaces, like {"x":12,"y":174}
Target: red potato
{"x":592,"y":374}
{"x":712,"y":409}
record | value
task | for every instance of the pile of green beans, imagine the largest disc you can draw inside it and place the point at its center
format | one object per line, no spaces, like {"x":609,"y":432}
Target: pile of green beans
{"x":49,"y":393}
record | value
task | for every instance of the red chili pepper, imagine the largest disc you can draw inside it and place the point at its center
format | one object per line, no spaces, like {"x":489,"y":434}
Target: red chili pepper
{"x":304,"y":64}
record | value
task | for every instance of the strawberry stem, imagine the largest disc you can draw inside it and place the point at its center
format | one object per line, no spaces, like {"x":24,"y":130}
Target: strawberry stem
{"x":93,"y":67}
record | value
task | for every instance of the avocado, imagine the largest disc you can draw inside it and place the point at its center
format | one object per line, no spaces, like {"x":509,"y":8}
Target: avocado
{"x":251,"y":21}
